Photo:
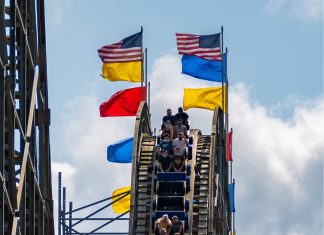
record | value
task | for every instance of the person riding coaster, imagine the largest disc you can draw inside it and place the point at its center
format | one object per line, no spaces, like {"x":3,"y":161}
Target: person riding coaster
{"x":179,"y":145}
{"x":177,"y":226}
{"x":172,"y":176}
{"x":163,"y":225}
{"x":179,"y":127}
{"x":166,"y":143}
{"x":183,"y":116}
{"x":165,"y":161}
{"x":168,"y":123}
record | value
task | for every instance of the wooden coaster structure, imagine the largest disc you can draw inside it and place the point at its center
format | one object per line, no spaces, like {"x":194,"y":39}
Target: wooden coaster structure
{"x":26,"y":204}
{"x":208,"y":211}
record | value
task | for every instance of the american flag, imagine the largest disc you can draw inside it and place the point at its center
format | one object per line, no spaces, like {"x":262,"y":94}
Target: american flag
{"x":127,"y":50}
{"x":203,"y":46}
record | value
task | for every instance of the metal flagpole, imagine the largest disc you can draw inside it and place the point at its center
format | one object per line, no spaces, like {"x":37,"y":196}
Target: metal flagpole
{"x":224,"y":108}
{"x":59,"y":202}
{"x":63,"y":212}
{"x":222,"y":52}
{"x":145,"y":71}
{"x":149,"y":96}
{"x":226,"y":94}
{"x":230,"y":163}
{"x":142,"y":75}
{"x":233,"y":213}
{"x":231,"y":181}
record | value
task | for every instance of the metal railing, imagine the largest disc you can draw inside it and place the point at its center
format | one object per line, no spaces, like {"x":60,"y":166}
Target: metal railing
{"x":68,"y":218}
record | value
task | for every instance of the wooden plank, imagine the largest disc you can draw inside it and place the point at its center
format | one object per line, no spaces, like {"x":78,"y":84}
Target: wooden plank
{"x":203,"y":211}
{"x":142,"y":180}
{"x":149,"y":143}
{"x":26,"y":152}
{"x":142,"y":203}
{"x":204,"y":189}
{"x":142,"y":196}
{"x":140,"y":230}
{"x":141,"y":215}
{"x":140,"y":222}
{"x":141,"y":209}
{"x":203,"y":182}
{"x":147,"y":148}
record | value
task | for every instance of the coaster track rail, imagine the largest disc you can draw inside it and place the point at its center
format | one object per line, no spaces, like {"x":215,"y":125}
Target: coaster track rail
{"x":209,"y":207}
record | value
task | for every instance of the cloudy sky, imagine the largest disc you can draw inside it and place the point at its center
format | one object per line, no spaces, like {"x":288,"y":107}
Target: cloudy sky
{"x":276,"y":99}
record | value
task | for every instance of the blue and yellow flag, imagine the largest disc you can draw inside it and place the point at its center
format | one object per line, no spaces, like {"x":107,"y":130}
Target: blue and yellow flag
{"x":206,"y":98}
{"x":122,"y":205}
{"x":122,"y":61}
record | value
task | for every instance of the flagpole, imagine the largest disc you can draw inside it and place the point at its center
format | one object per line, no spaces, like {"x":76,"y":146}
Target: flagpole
{"x":224,"y":116}
{"x":226,"y":94}
{"x":233,"y":213}
{"x":230,"y":170}
{"x":142,"y":75}
{"x":149,"y":96}
{"x":231,"y":181}
{"x":145,"y":75}
{"x":230,"y":163}
{"x":222,"y":52}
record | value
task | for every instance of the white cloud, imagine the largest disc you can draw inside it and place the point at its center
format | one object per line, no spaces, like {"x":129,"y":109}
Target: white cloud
{"x":57,"y":11}
{"x":277,"y":162}
{"x":85,"y":137}
{"x":274,"y":5}
{"x":68,"y":174}
{"x":307,"y":10}
{"x":167,"y":89}
{"x":278,"y":166}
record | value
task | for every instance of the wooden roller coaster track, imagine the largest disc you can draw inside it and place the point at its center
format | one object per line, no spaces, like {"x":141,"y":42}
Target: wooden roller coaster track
{"x":208,"y":199}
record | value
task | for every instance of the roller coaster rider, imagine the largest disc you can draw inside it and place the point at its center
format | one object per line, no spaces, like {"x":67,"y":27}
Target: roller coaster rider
{"x":179,"y":151}
{"x":168,"y":122}
{"x":166,"y":143}
{"x":168,"y":117}
{"x":182,"y":116}
{"x":165,"y":161}
{"x":179,"y":127}
{"x":163,"y":225}
{"x":177,"y":226}
{"x":179,"y":145}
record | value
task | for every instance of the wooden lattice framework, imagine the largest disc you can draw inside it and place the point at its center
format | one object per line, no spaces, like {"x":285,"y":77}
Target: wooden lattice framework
{"x":26,"y":205}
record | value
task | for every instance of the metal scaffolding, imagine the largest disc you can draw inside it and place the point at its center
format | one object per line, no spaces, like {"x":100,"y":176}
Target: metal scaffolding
{"x":69,"y":219}
{"x":26,"y":204}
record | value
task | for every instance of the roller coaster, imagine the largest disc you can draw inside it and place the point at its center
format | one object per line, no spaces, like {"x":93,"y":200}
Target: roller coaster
{"x":198,"y":196}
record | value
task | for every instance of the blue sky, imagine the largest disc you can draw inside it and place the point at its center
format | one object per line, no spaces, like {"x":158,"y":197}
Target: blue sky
{"x":275,"y":69}
{"x":276,"y":53}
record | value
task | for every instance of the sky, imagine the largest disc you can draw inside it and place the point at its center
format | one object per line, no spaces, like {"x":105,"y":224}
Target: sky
{"x":275,"y":70}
